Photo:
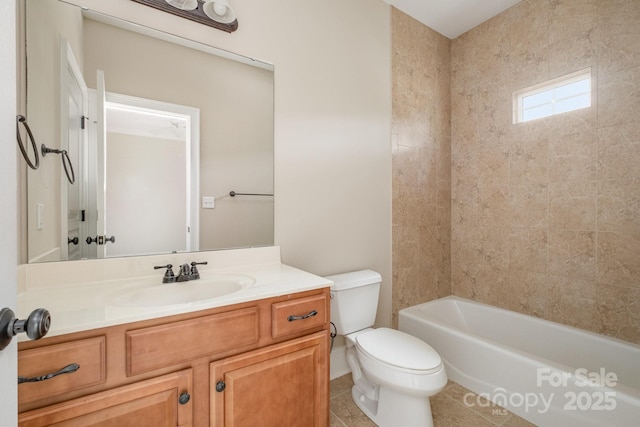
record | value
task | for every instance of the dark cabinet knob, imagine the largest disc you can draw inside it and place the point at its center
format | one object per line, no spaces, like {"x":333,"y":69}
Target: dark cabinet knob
{"x":220,"y":386}
{"x":184,"y":398}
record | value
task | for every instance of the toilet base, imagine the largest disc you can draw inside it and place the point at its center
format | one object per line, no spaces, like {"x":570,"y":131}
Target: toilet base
{"x":393,"y":409}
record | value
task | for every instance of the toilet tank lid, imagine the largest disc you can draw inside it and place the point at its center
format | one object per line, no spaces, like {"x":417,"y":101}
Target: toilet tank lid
{"x":354,"y":279}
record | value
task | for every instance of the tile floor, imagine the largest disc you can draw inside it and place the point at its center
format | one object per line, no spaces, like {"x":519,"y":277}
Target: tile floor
{"x":447,"y":406}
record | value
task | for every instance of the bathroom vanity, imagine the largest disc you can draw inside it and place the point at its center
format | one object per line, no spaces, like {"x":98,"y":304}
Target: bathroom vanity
{"x":255,"y":356}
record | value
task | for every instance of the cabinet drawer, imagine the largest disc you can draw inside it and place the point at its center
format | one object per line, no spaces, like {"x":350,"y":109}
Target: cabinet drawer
{"x":155,"y":402}
{"x":290,"y":317}
{"x":88,"y":353}
{"x":166,"y":345}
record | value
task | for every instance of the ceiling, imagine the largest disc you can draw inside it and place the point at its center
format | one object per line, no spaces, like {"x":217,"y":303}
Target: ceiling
{"x":452,"y":17}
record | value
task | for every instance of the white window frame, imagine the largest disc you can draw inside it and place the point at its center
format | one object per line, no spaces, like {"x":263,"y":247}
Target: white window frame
{"x":550,"y":85}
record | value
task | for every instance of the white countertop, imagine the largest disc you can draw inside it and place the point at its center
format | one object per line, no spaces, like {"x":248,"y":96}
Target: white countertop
{"x":86,"y":304}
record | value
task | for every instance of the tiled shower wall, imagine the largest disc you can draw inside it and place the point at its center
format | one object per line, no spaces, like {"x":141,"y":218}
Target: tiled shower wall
{"x":545,"y":214}
{"x":421,"y":139}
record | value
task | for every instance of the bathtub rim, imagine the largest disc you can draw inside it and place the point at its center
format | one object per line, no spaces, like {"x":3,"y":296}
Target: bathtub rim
{"x":579,"y":331}
{"x":627,"y":390}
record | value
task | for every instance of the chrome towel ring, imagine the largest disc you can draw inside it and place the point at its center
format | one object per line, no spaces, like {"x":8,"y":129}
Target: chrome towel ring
{"x":35,"y":164}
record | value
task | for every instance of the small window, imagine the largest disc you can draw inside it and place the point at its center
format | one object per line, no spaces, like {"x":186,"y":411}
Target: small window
{"x":566,"y":93}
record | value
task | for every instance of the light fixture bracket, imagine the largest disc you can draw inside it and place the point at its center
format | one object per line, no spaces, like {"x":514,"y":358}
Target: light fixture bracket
{"x":196,"y":14}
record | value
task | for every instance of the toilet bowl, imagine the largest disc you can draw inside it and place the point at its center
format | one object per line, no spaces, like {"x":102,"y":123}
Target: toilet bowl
{"x":394,"y":373}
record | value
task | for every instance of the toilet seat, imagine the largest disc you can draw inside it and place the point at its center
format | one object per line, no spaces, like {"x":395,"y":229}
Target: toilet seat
{"x":399,"y":351}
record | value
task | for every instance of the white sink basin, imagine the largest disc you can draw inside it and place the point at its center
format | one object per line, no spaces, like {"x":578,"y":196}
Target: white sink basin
{"x":159,"y":294}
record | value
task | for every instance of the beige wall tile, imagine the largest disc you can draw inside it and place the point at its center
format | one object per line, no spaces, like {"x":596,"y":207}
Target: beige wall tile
{"x":529,"y":161}
{"x":529,"y":205}
{"x":568,"y":203}
{"x":573,"y":156}
{"x":619,"y":205}
{"x":421,"y":165}
{"x":573,"y":19}
{"x":619,"y":151}
{"x":525,"y":292}
{"x":528,"y":249}
{"x":618,"y":254}
{"x":572,"y":301}
{"x":572,"y":253}
{"x":494,"y":204}
{"x":618,"y":97}
{"x":528,"y":217}
{"x":619,"y":309}
{"x":406,"y":245}
{"x":619,"y":36}
{"x":572,"y":205}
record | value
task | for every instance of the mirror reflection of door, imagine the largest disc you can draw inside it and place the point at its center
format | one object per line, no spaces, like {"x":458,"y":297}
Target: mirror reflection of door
{"x":74,"y":141}
{"x":150,"y":174}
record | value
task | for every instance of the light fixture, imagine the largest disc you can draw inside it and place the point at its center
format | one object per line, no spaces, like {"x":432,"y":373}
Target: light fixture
{"x":183,"y":4}
{"x":219,"y":11}
{"x":214,"y":13}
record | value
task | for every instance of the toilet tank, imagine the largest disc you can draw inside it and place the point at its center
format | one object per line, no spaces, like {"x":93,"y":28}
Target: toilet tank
{"x":354,"y":300}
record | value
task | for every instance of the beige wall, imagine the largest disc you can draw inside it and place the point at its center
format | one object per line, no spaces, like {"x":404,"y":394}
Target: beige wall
{"x":421,"y":137}
{"x":332,"y":123}
{"x":545,"y":214}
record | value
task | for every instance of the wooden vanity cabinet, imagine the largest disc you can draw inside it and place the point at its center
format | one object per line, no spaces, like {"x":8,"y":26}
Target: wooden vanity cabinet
{"x":281,"y":385}
{"x":272,"y":356}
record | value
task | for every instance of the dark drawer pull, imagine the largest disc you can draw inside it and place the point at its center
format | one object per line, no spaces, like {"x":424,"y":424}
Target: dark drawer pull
{"x":306,"y":316}
{"x":66,"y":370}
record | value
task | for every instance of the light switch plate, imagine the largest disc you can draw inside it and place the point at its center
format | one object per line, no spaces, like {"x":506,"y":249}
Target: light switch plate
{"x":208,"y":202}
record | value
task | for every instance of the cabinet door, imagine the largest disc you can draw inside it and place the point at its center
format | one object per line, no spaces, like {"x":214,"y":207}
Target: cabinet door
{"x":152,"y":403}
{"x":282,"y":385}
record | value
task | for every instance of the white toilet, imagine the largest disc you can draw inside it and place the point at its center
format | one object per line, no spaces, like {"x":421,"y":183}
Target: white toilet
{"x":394,"y":373}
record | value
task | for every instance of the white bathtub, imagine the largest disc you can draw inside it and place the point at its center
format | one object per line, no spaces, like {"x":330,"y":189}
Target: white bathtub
{"x":547,"y":373}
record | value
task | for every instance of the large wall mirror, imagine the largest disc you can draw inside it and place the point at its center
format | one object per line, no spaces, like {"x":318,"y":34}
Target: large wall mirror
{"x":159,"y":130}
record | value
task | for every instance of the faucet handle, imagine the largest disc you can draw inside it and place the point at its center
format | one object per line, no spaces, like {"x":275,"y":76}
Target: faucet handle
{"x":168,"y":277}
{"x":194,"y":270}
